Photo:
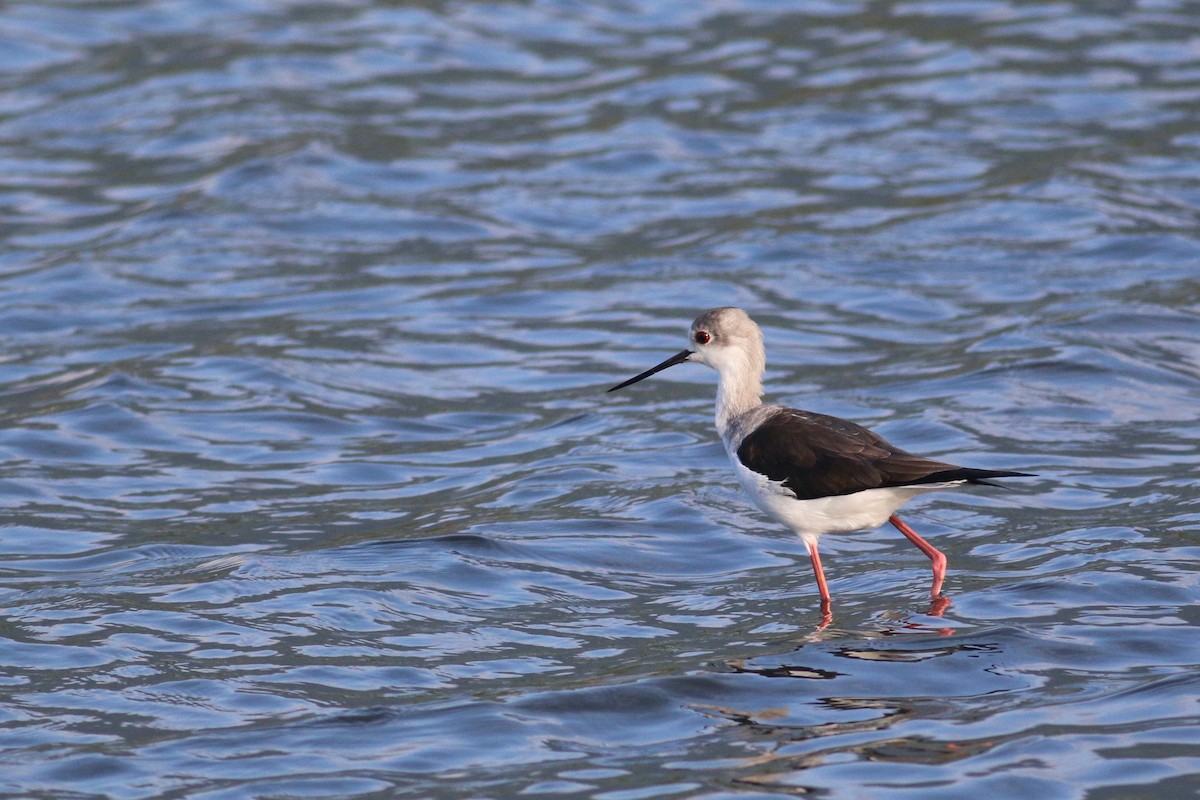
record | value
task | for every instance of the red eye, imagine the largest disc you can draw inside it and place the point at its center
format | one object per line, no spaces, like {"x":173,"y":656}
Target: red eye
{"x":702,"y":337}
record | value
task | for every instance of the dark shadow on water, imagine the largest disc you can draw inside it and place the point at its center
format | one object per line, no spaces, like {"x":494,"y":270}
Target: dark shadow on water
{"x":471,"y":542}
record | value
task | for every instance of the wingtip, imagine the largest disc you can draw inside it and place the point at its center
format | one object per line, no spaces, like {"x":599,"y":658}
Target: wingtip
{"x":1001,"y":474}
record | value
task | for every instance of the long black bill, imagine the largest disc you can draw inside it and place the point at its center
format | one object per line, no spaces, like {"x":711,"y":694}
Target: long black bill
{"x":678,"y":358}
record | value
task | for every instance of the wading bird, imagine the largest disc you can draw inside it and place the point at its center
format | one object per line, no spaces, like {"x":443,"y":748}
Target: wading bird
{"x":814,"y":473}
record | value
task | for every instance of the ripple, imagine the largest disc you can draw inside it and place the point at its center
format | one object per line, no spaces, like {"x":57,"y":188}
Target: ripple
{"x":312,"y":487}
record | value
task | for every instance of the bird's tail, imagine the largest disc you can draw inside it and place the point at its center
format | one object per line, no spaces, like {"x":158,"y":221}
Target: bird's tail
{"x":979,"y":477}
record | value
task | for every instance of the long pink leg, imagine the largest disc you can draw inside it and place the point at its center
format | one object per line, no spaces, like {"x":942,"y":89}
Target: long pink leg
{"x":826,"y":600}
{"x":935,"y":555}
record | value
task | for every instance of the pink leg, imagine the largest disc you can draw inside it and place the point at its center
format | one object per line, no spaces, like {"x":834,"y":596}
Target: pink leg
{"x":826,"y":600}
{"x":935,"y":555}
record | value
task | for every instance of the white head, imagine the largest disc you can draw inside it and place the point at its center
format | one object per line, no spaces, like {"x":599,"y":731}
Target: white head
{"x":727,"y":340}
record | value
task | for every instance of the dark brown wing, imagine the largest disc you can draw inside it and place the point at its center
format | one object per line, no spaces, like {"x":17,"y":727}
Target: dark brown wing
{"x":816,"y":455}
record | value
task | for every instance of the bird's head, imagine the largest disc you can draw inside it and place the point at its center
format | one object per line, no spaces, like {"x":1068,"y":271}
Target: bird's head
{"x":725,"y":339}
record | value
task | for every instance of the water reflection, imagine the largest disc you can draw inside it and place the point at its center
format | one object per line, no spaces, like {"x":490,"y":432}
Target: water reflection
{"x":309,"y":486}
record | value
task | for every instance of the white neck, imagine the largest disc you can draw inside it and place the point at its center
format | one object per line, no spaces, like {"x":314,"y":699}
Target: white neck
{"x":739,"y":389}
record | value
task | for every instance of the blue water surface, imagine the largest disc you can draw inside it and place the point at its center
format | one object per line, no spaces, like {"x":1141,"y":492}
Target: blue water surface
{"x":310,"y":486}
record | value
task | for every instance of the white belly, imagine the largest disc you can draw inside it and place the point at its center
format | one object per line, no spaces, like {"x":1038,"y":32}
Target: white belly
{"x":846,"y":512}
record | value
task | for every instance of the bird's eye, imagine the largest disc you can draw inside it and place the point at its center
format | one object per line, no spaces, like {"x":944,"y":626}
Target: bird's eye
{"x":702,"y":337}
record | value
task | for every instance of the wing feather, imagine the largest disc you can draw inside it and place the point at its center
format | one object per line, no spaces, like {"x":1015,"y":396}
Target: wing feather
{"x":816,"y":455}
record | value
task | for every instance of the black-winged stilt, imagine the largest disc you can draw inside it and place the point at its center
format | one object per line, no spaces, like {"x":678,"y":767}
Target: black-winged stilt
{"x":812,"y":472}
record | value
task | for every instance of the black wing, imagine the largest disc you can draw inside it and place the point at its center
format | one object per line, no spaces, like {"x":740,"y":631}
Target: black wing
{"x":816,"y":455}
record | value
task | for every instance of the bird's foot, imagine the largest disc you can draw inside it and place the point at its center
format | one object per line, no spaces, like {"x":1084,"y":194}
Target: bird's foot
{"x":826,"y":615}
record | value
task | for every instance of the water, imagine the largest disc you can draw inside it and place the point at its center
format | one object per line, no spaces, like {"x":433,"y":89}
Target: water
{"x":311,"y":487}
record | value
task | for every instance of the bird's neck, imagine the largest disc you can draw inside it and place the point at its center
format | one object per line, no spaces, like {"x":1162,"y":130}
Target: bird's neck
{"x":736,"y":394}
